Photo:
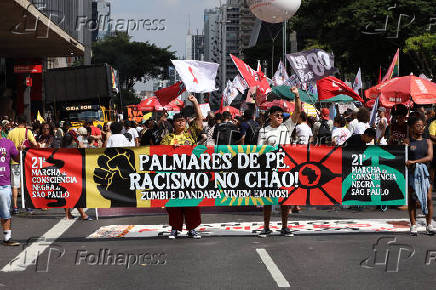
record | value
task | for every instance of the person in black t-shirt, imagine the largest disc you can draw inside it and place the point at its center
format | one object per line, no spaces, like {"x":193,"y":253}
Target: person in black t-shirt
{"x":227,"y":133}
{"x":361,"y":140}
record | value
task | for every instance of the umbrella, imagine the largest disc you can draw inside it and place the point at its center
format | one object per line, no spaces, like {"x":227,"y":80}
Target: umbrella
{"x":235,"y":112}
{"x":402,"y":89}
{"x":285,"y":92}
{"x":339,"y":99}
{"x":285,"y":105}
{"x":310,"y":110}
{"x":148,"y":105}
{"x":175,"y":106}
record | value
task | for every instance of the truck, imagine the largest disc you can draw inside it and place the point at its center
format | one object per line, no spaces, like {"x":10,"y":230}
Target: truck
{"x":82,"y":94}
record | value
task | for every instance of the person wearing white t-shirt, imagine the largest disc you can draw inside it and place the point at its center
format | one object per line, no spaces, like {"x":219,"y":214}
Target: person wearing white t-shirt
{"x":363,"y":116}
{"x":131,"y":129}
{"x":340,"y":133}
{"x":351,"y":124}
{"x":279,"y":133}
{"x":303,"y":132}
{"x":117,"y":139}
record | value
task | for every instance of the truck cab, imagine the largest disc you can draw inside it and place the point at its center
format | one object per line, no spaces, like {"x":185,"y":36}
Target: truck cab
{"x":78,"y":115}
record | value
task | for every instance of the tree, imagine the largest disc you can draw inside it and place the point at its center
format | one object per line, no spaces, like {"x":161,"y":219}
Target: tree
{"x":422,"y":49}
{"x":135,"y":61}
{"x":360,"y":33}
{"x":363,"y":33}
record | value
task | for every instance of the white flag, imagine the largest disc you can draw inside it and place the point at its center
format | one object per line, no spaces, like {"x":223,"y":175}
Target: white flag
{"x":357,"y":85}
{"x":423,"y":76}
{"x":281,"y":76}
{"x":198,"y":76}
{"x":230,"y":93}
{"x":373,"y":117}
{"x":240,"y":84}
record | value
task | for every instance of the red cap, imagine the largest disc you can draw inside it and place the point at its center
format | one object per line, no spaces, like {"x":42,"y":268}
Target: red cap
{"x":325,"y":113}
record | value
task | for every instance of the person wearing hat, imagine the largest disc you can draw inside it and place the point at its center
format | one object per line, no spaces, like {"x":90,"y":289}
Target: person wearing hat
{"x":184,"y":136}
{"x":323,"y":128}
{"x":382,"y":125}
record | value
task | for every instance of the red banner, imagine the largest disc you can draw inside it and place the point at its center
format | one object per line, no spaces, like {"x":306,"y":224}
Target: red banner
{"x":252,"y":77}
{"x":330,"y":87}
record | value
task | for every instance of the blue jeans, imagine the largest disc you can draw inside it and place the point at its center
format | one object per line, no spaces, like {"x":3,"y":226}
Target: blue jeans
{"x":5,"y":201}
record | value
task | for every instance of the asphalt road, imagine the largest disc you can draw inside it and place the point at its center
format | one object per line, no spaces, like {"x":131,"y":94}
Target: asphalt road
{"x":316,"y":261}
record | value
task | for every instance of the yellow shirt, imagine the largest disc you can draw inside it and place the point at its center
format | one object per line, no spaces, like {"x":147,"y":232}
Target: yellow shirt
{"x":18,"y":135}
{"x":432,"y":130}
{"x":189,"y":137}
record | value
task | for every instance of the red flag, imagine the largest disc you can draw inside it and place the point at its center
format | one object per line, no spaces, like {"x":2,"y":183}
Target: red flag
{"x":330,"y":87}
{"x":252,"y":77}
{"x":166,"y":95}
{"x":222,"y":104}
{"x":393,"y":70}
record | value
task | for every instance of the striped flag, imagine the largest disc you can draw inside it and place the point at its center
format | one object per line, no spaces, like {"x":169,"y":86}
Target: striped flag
{"x":394,"y":69}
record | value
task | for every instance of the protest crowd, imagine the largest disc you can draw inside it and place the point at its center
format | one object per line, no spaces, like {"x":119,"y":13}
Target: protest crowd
{"x":400,"y":126}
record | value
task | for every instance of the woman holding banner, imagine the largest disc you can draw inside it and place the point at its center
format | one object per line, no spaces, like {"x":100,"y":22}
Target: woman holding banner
{"x":279,"y":133}
{"x":183,"y":136}
{"x":420,"y":188}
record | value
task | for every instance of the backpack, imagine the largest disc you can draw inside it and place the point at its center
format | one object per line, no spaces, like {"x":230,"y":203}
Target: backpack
{"x":252,"y":133}
{"x":128,"y":136}
{"x":26,"y":142}
{"x":227,"y":134}
{"x":324,"y":133}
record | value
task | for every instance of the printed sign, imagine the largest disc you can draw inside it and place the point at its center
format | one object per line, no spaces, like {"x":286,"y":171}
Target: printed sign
{"x":312,"y":65}
{"x":168,"y":176}
{"x":374,"y":175}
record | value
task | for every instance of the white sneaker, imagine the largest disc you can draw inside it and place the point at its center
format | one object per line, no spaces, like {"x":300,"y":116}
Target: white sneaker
{"x":173,"y":234}
{"x":413,"y":230}
{"x":430,"y":230}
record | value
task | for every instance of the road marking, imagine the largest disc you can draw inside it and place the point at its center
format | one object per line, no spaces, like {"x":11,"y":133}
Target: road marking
{"x":28,"y":256}
{"x":272,"y":268}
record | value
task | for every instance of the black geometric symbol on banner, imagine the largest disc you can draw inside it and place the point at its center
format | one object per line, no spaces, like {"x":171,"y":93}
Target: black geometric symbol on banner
{"x":112,"y":176}
{"x":313,"y":175}
{"x":57,"y":164}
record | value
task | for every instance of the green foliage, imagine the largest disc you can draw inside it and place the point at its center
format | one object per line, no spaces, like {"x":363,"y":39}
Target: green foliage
{"x":129,"y":97}
{"x":422,"y":49}
{"x":135,"y":61}
{"x":356,"y":32}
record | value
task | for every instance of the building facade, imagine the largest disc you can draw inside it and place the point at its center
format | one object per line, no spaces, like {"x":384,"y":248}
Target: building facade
{"x":72,"y":16}
{"x":194,"y":48}
{"x":227,"y":30}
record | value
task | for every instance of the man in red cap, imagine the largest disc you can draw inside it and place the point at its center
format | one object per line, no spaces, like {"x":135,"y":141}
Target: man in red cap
{"x":322,"y":129}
